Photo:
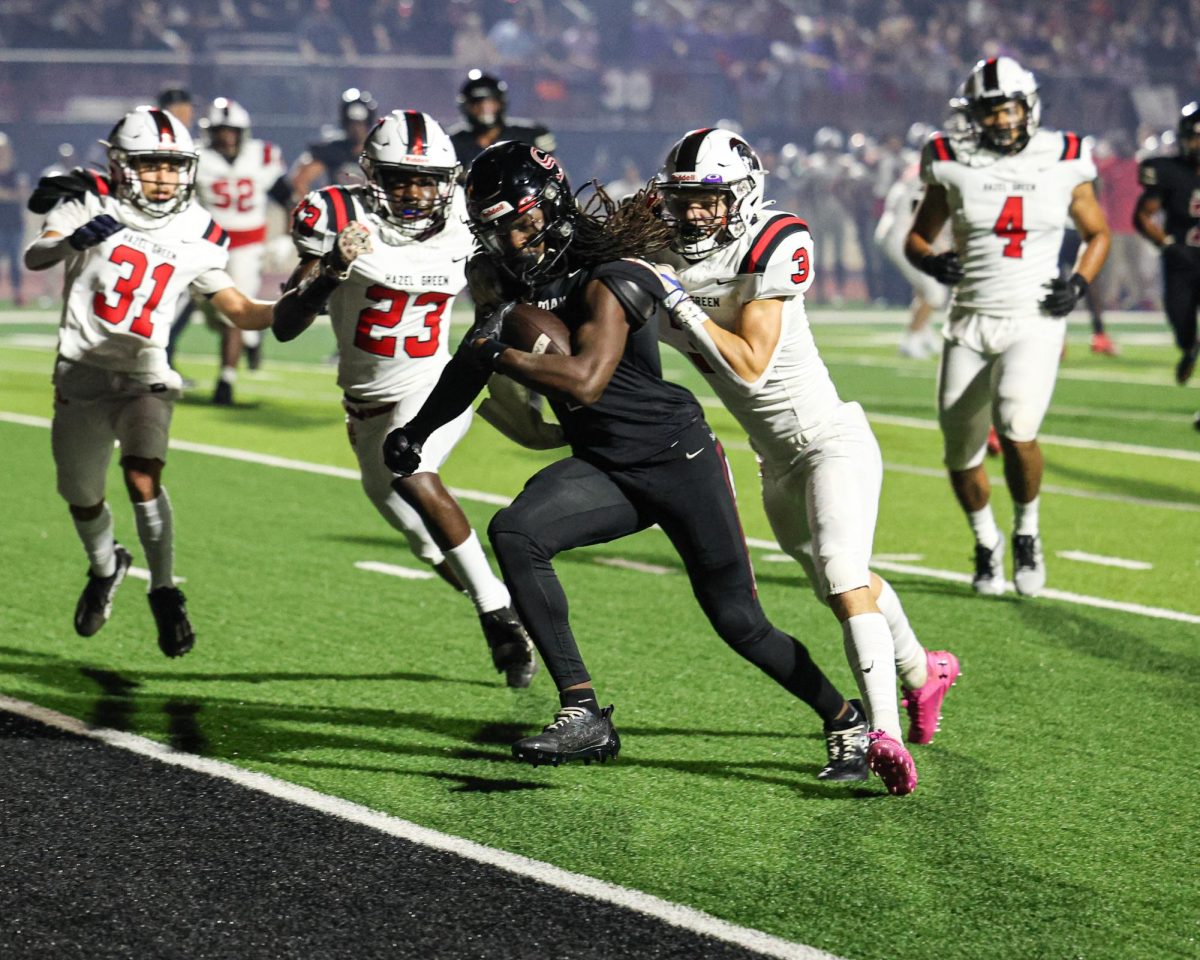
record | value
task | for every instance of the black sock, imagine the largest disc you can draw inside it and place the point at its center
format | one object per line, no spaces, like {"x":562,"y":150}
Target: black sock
{"x":853,"y":715}
{"x":581,"y":697}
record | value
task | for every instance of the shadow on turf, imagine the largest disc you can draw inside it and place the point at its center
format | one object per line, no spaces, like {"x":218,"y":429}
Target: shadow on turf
{"x":257,"y":413}
{"x":1127,"y":487}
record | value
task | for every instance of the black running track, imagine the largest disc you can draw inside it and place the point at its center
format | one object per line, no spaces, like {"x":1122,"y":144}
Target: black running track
{"x":105,"y":853}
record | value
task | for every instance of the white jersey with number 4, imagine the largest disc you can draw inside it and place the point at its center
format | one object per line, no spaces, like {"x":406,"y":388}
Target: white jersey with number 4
{"x":1008,"y":214}
{"x":773,"y":258}
{"x":120,"y":296}
{"x":235,"y":192}
{"x":391,"y":316}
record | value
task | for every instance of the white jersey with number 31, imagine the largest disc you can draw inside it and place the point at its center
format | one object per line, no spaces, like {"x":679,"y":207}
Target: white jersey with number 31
{"x":120,"y":296}
{"x":1008,"y":214}
{"x":391,"y":316}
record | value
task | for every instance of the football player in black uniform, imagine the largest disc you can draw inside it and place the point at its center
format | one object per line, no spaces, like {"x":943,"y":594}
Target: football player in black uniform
{"x":483,"y":100}
{"x":641,"y":452}
{"x":335,"y":159}
{"x":1171,"y":186}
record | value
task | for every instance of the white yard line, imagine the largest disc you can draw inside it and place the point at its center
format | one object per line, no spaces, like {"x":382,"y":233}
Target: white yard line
{"x":247,"y":456}
{"x":141,"y":573}
{"x":635,"y":565}
{"x":1103,"y":561}
{"x":393,"y":570}
{"x":674,"y":914}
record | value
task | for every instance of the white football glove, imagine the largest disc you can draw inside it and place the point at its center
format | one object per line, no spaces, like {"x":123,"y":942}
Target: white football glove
{"x":353,"y":241}
{"x":684,"y":311}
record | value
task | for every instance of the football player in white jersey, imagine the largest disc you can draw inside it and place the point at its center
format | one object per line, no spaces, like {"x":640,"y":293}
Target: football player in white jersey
{"x":389,"y":258}
{"x":133,"y":244}
{"x":1008,"y":191}
{"x":233,"y":180}
{"x":737,"y":310}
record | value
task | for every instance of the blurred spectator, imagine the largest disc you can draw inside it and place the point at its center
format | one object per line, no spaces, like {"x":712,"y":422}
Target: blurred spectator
{"x":322,"y":34}
{"x":178,"y":102}
{"x":14,"y":189}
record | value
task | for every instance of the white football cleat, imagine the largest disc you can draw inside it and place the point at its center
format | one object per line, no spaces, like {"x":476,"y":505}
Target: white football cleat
{"x":1029,"y":565}
{"x":989,"y":570}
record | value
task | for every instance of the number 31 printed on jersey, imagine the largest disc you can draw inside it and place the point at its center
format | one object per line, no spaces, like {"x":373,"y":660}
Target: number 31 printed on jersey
{"x":126,"y":287}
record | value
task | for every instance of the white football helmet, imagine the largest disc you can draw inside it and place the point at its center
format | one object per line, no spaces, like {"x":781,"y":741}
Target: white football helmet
{"x":991,"y":84}
{"x":408,"y":142}
{"x":226,"y":113}
{"x":144,"y":135}
{"x":706,"y":162}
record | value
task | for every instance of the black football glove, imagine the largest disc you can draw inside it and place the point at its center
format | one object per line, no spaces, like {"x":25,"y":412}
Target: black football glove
{"x":1064,"y":294}
{"x":401,"y":453}
{"x":95,"y":231}
{"x":482,"y":346}
{"x":943,"y":267}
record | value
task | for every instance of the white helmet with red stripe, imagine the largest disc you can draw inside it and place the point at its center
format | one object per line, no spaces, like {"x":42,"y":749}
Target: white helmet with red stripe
{"x":412,"y":170}
{"x":993,"y":84}
{"x":144,"y":139}
{"x":226,"y":113}
{"x":711,"y":187}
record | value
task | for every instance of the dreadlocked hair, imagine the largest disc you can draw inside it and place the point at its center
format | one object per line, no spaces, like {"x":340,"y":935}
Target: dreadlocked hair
{"x":606,"y":230}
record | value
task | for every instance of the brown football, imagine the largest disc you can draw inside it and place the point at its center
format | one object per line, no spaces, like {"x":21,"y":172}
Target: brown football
{"x":535,"y":330}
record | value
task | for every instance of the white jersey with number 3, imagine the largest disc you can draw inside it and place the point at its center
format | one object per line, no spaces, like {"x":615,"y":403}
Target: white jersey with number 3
{"x":773,"y":258}
{"x":120,"y":296}
{"x":391,"y":316}
{"x":1008,"y":214}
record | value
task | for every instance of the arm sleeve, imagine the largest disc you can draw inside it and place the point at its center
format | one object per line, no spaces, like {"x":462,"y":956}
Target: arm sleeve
{"x":456,"y":389}
{"x":211,"y":281}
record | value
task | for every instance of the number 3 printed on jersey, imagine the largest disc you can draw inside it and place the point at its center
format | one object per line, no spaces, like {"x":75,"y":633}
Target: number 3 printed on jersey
{"x":126,"y":288}
{"x":388,"y":312}
{"x":1010,"y":226}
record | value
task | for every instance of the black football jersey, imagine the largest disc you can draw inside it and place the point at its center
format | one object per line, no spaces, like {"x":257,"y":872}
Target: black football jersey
{"x":523,"y":131}
{"x":340,"y":159}
{"x":1175,"y":182}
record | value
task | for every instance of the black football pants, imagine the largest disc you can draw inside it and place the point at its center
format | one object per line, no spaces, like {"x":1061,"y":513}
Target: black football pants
{"x":687,"y":492}
{"x":1181,"y":299}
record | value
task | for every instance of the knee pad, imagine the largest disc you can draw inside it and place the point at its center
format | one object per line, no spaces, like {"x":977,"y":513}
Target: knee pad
{"x":844,"y":573}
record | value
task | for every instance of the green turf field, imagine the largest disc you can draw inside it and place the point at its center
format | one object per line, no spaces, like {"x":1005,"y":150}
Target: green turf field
{"x":1056,"y":814}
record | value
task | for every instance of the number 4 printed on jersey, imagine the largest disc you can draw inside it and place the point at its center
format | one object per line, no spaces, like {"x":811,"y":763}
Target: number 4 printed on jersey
{"x":1010,"y":226}
{"x":126,"y":287}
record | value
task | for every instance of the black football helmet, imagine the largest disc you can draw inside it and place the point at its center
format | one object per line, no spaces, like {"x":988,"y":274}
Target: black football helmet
{"x":1189,"y":131}
{"x":357,"y":106}
{"x":505,"y":182}
{"x":483,"y":86}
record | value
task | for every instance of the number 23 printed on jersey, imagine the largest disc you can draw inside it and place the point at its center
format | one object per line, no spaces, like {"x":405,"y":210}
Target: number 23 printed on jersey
{"x":388,"y":313}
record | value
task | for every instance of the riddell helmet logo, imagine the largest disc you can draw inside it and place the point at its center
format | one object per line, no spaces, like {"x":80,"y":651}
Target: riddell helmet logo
{"x":685,"y":177}
{"x":543,"y":159}
{"x":496,"y":210}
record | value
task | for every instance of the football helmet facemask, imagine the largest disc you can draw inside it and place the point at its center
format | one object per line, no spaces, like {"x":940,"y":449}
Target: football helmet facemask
{"x":403,"y":146}
{"x":993,"y":85}
{"x":506,"y":183}
{"x":711,"y":187}
{"x":145,"y":136}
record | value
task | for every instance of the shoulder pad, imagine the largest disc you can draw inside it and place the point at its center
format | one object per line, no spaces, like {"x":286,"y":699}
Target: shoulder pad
{"x":67,"y":186}
{"x":215,"y":235}
{"x":940,"y":147}
{"x":635,"y":285}
{"x":1072,"y":146}
{"x":327,"y":210}
{"x":769,"y":238}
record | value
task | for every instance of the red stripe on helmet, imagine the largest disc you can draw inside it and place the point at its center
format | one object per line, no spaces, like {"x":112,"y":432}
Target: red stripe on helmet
{"x":166,"y":132}
{"x":417,"y":134}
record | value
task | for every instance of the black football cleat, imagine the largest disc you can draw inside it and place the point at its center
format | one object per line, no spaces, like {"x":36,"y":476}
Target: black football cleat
{"x":95,"y":603}
{"x":846,"y":743}
{"x":175,"y":634}
{"x":1187,"y":364}
{"x":512,"y":650}
{"x":223,"y":394}
{"x":575,"y":734}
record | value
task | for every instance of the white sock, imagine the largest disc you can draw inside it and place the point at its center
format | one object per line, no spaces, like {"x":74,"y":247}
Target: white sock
{"x":908,"y":652}
{"x":157,"y":534}
{"x":98,"y":541}
{"x":251,"y":338}
{"x":469,"y":563}
{"x":1025,"y":518}
{"x":868,"y":643}
{"x":229,"y":374}
{"x":983,"y":524}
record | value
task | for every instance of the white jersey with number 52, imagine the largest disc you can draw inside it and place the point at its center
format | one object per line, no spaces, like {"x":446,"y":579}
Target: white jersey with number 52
{"x":120,"y":296}
{"x":235,"y":192}
{"x":391,"y":316}
{"x":1008,"y":214}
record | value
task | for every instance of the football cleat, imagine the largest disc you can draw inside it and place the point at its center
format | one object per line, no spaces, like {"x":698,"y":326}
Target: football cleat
{"x":95,"y":603}
{"x":989,"y":570}
{"x":223,"y":394}
{"x":993,"y":442}
{"x":1029,"y":565}
{"x":512,"y":650}
{"x":924,"y":705}
{"x":1187,"y":364}
{"x":892,"y":763}
{"x":846,"y":746}
{"x":175,"y":634}
{"x":576,"y":734}
{"x":1102,"y":344}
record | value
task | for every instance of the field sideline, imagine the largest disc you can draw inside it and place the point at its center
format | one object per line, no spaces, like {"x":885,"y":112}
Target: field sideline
{"x":1049,"y":821}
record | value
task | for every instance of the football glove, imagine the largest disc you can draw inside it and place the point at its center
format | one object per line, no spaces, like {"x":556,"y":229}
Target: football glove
{"x":95,"y":231}
{"x":683,"y":310}
{"x":1064,"y":294}
{"x":353,"y":241}
{"x":943,"y":267}
{"x":401,"y":453}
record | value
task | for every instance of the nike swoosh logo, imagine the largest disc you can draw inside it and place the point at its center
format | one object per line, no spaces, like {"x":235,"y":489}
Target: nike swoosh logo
{"x":692,"y":456}
{"x":868,"y":669}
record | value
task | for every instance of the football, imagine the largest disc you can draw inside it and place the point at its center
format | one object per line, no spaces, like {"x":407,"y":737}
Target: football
{"x":535,"y":330}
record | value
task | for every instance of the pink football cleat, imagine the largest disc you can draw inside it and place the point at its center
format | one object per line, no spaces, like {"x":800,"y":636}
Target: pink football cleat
{"x":892,"y":763}
{"x":925,"y":705}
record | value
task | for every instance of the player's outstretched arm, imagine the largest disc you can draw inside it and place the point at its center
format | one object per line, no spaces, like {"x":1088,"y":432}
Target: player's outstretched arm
{"x":242,"y":312}
{"x":314,"y":280}
{"x":47,"y":250}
